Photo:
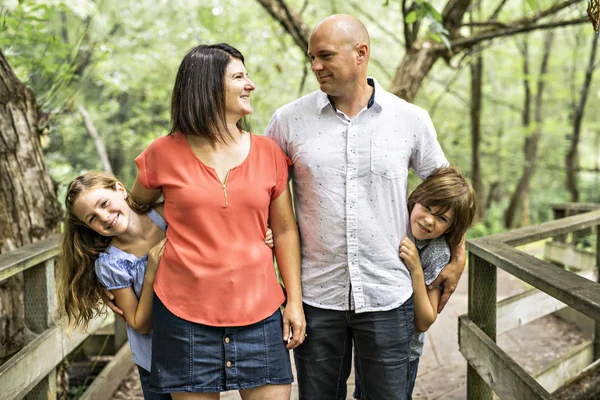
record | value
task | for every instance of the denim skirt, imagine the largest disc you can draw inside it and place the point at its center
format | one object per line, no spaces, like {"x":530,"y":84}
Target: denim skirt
{"x":191,"y":357}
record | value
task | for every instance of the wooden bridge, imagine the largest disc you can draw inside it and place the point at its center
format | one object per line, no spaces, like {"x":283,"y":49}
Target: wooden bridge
{"x":565,"y":280}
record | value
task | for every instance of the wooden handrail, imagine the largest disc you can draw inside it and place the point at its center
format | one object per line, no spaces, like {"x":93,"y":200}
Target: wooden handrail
{"x":577,"y":207}
{"x":573,"y":290}
{"x":23,"y":258}
{"x":478,"y":331}
{"x":545,"y":230}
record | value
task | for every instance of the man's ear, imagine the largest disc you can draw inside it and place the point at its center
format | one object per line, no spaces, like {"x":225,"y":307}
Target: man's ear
{"x":362,"y":52}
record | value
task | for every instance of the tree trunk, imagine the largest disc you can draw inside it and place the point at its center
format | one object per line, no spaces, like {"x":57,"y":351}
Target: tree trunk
{"x":98,"y":143}
{"x":413,"y":69}
{"x":29,"y":210}
{"x":476,"y":96}
{"x":519,"y":198}
{"x":572,"y":159}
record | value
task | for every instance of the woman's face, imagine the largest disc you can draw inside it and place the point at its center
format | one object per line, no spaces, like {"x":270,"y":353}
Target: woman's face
{"x":237,"y":91}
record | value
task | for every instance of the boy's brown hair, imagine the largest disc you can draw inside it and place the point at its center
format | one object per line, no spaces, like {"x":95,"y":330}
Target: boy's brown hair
{"x":447,"y":188}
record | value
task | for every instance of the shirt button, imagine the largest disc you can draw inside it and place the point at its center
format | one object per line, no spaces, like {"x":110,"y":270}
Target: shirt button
{"x":228,"y":364}
{"x":227,"y":340}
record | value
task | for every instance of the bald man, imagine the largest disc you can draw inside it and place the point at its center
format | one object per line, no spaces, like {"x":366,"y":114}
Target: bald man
{"x":351,"y":144}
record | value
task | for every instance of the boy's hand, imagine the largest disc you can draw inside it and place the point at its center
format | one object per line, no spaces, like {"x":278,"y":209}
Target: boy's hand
{"x":269,"y":238}
{"x":155,"y":254}
{"x":409,"y":253}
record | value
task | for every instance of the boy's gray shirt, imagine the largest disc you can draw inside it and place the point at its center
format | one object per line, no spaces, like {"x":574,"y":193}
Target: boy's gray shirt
{"x":434,"y":255}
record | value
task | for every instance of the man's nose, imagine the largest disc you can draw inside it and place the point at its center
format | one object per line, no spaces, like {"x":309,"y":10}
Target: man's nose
{"x":316,"y":65}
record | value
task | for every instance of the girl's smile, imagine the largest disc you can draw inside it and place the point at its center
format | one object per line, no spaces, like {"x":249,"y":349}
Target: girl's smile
{"x":101,"y":210}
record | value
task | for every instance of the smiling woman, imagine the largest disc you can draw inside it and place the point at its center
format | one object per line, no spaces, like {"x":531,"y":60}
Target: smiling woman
{"x":217,"y":296}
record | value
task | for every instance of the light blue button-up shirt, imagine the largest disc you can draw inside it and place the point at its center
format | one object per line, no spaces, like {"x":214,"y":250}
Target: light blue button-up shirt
{"x":349,"y":180}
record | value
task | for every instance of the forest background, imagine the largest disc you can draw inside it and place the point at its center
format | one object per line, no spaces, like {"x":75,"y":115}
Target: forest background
{"x":102,"y":72}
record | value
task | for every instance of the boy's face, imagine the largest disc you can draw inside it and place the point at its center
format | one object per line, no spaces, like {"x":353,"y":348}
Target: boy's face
{"x":425,"y":225}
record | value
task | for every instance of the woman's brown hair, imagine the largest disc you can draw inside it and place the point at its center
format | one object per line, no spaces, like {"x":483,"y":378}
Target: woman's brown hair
{"x":198,"y":99}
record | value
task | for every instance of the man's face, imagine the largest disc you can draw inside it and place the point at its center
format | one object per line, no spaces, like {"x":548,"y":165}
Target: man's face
{"x":334,"y":62}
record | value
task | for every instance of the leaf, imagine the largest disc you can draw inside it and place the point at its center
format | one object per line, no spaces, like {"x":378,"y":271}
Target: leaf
{"x":532,"y":4}
{"x":432,"y":11}
{"x":446,"y":41}
{"x":411,"y":17}
{"x":435,"y":36}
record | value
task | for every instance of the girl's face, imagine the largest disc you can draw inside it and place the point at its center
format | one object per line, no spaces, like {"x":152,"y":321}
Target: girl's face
{"x":104,"y":210}
{"x":425,"y":225}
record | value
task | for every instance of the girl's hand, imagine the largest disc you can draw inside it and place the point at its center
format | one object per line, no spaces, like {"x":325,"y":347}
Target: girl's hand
{"x":269,"y":238}
{"x":409,"y":253}
{"x":155,"y":254}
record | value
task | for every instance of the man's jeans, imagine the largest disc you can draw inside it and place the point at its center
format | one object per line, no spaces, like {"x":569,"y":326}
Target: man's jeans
{"x":382,"y":348}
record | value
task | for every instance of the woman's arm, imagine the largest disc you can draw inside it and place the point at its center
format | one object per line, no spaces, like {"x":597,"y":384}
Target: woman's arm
{"x":287,"y":252}
{"x":425,"y":302}
{"x":142,"y":194}
{"x":138,"y":313}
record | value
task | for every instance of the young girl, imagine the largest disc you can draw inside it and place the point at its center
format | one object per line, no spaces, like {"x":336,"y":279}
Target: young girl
{"x":441,"y":209}
{"x":111,"y":242}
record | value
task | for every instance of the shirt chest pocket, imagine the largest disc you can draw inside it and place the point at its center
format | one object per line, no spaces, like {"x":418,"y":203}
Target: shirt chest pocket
{"x":389,"y":158}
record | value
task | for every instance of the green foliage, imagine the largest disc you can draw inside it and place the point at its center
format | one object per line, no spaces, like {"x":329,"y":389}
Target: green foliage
{"x":532,"y":4}
{"x":423,"y":10}
{"x":130,"y":52}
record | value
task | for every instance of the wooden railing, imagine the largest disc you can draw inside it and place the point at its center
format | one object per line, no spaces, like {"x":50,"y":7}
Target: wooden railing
{"x":489,"y":367}
{"x":31,"y":373}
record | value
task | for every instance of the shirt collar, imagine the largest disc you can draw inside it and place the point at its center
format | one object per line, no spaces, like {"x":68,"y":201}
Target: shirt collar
{"x":323,"y":99}
{"x":115,"y":251}
{"x":419,"y":243}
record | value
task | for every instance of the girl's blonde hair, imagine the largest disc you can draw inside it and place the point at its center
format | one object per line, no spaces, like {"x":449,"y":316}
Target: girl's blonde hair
{"x":446,"y":188}
{"x":79,"y":292}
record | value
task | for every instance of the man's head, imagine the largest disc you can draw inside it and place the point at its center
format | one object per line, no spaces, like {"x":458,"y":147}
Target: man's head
{"x":339,"y":48}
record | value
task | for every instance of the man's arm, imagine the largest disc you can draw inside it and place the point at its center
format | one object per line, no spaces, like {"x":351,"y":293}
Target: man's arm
{"x":451,"y":273}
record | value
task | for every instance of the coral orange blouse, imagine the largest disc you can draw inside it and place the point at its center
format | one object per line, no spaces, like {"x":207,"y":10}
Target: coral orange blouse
{"x":216,"y":269}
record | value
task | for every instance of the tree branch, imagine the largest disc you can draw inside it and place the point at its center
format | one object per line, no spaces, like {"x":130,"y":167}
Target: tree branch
{"x":497,"y":10}
{"x":464,"y":43}
{"x":375,"y":22}
{"x":100,"y":149}
{"x":291,"y":23}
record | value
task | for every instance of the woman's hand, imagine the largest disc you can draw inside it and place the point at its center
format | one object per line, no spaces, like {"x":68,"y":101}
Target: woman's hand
{"x":154,"y":256}
{"x":109,"y":299}
{"x":409,"y":253}
{"x":269,"y":238}
{"x":294,"y":325}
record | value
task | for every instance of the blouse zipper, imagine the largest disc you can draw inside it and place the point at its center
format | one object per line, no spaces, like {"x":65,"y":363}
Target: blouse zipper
{"x":224,"y":184}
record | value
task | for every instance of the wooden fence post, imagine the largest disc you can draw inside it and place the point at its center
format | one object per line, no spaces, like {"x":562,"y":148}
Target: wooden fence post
{"x":482,"y":311}
{"x":39,"y":301}
{"x":559,"y":213}
{"x":596,"y":323}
